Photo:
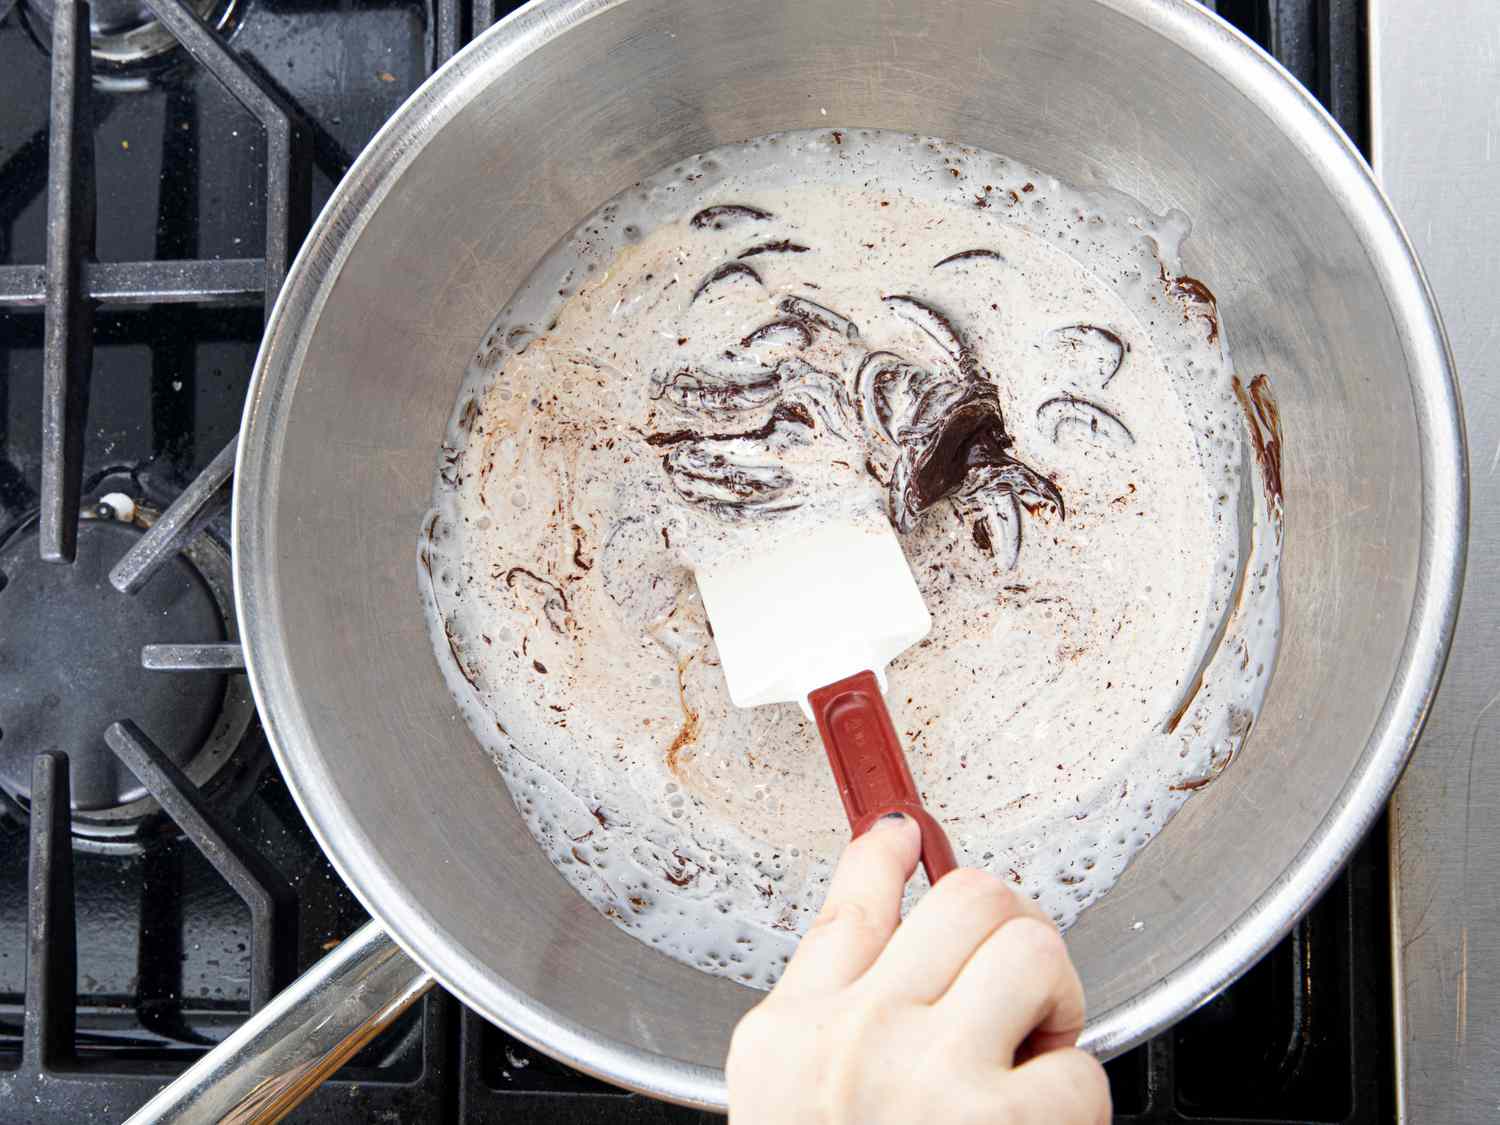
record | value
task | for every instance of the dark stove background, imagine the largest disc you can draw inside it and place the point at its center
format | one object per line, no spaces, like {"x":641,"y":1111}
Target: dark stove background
{"x":169,"y":957}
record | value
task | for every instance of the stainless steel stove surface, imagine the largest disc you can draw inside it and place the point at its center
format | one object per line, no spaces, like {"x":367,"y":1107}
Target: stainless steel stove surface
{"x":151,"y":199}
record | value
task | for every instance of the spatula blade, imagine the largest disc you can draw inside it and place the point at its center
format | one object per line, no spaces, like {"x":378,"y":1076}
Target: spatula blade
{"x":810,"y":608}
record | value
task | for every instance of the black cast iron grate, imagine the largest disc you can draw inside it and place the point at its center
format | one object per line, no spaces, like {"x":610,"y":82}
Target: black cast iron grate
{"x":212,"y":917}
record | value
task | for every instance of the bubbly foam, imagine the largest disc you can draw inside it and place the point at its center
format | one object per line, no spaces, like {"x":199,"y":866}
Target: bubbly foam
{"x":748,"y":341}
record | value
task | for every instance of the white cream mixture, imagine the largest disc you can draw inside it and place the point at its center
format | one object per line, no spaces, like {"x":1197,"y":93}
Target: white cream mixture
{"x":774,"y":330}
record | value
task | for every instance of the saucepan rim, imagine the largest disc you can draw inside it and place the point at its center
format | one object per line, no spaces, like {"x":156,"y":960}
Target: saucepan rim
{"x":1443,"y":539}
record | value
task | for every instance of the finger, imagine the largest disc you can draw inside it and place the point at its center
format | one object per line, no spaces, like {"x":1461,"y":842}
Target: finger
{"x":1066,"y":1087}
{"x":860,"y":912}
{"x":942,"y":933}
{"x":1019,"y":987}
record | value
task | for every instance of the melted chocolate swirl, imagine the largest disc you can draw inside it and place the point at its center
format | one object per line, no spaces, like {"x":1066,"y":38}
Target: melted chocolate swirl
{"x":929,"y":435}
{"x":961,"y":450}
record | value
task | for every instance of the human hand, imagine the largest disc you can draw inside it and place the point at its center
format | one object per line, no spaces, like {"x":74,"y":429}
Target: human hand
{"x":968,"y":1012}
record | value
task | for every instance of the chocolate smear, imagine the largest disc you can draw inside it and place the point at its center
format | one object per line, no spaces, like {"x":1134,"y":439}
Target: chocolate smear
{"x":969,"y":256}
{"x":723,"y":273}
{"x":876,"y":380}
{"x":936,"y":325}
{"x":708,"y":393}
{"x":982,"y":538}
{"x":1264,"y":420}
{"x":965,"y":454}
{"x":555,"y":606}
{"x":786,"y":412}
{"x":1106,"y":347}
{"x":1197,"y":298}
{"x":723,"y":214}
{"x":929,"y":320}
{"x":783,"y":246}
{"x":787,"y":330}
{"x":1070,"y":411}
{"x":814,"y":313}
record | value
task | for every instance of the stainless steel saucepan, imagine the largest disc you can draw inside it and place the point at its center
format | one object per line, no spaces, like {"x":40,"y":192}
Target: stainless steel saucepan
{"x":569,"y":101}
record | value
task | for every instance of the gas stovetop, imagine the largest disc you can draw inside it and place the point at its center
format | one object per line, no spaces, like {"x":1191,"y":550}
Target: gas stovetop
{"x":157,"y":173}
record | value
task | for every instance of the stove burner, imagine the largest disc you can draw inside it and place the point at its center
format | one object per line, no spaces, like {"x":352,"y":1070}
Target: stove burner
{"x":122,"y":32}
{"x":71,"y":664}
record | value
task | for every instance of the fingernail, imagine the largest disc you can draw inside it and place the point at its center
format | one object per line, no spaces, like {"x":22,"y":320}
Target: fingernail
{"x":890,"y":820}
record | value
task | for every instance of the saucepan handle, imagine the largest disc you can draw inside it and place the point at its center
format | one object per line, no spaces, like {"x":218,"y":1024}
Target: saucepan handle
{"x":869,"y":767}
{"x":283,"y":1053}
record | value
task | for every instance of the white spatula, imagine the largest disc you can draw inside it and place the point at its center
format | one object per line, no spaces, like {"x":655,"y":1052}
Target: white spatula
{"x":813,"y":618}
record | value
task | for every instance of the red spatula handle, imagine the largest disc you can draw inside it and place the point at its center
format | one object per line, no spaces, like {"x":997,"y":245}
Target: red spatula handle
{"x":870,"y":768}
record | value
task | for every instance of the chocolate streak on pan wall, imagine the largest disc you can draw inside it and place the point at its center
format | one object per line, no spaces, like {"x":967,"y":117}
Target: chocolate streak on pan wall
{"x":1263,"y":420}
